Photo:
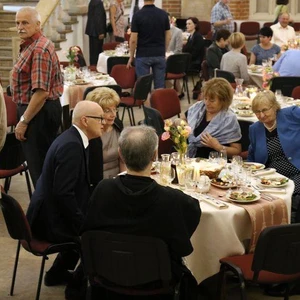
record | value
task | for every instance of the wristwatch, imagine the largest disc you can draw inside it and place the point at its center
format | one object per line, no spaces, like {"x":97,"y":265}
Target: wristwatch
{"x":23,"y":120}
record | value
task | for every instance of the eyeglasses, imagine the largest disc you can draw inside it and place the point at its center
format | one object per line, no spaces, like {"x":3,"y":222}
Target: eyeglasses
{"x":100,"y":119}
{"x":257,"y":112}
{"x":111,"y":111}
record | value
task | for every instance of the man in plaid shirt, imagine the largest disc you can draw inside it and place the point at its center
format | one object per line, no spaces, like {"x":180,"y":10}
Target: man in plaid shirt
{"x":37,"y":84}
{"x":221,"y":17}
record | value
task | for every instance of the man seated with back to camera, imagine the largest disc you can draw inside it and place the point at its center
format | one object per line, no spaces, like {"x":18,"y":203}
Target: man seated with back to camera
{"x":136,"y":204}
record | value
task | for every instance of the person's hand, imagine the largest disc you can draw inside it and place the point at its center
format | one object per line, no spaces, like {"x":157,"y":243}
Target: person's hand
{"x":129,"y":63}
{"x":209,"y":141}
{"x":20,"y":131}
{"x":228,"y":21}
{"x":115,"y":33}
{"x":101,"y":36}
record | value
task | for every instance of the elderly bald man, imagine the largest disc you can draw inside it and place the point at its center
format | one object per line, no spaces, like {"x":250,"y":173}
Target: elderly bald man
{"x":59,"y":203}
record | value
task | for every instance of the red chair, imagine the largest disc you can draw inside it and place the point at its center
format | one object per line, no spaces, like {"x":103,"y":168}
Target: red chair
{"x":166,"y":101}
{"x":268,"y":24}
{"x":141,"y":90}
{"x":124,"y":77}
{"x":19,"y":229}
{"x":296,"y":92}
{"x":204,"y":28}
{"x":11,"y":111}
{"x":110,"y":46}
{"x":296,"y":26}
{"x":250,"y":29}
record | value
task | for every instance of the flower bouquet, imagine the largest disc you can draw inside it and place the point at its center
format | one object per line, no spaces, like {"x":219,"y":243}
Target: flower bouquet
{"x":178,"y":131}
{"x":268,"y":75}
{"x":72,"y":55}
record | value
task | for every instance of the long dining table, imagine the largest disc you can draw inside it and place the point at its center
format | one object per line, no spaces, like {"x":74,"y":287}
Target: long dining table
{"x":225,"y":232}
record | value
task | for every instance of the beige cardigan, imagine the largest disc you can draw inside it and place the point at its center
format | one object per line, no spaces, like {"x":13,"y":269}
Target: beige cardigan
{"x":3,"y":123}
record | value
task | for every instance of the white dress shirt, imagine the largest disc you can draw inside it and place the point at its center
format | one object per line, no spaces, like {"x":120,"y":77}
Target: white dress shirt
{"x":281,"y":35}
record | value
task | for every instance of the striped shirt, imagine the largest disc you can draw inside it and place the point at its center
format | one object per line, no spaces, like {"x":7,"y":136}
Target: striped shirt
{"x":221,"y":12}
{"x":37,"y":68}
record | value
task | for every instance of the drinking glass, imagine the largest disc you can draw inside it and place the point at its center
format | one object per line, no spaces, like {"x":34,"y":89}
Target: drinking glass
{"x":264,"y":62}
{"x":202,"y":183}
{"x":170,"y":176}
{"x":165,"y":167}
{"x":190,"y":178}
{"x":223,"y":157}
{"x":237,"y":160}
{"x":278,"y":95}
{"x":213,"y":156}
{"x":181,"y":175}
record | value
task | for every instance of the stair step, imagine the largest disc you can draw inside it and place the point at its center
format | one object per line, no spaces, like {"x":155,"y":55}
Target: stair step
{"x":5,"y":51}
{"x":6,"y":61}
{"x":5,"y":32}
{"x":7,"y":15}
{"x":5,"y":41}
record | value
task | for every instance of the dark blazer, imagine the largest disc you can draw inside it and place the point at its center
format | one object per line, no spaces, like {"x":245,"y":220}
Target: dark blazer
{"x":60,"y":201}
{"x":96,"y":22}
{"x":213,"y":57}
{"x":196,"y":47}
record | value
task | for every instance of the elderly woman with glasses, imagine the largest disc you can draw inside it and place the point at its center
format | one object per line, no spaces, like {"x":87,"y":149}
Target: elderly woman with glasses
{"x":214,"y":126}
{"x":109,"y":100}
{"x":275,"y":141}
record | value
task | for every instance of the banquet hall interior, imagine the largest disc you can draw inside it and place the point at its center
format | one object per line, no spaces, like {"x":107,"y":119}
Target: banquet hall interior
{"x":72,"y":15}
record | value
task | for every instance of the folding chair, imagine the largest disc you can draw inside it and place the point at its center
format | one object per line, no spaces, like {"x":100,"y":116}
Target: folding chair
{"x":285,"y":83}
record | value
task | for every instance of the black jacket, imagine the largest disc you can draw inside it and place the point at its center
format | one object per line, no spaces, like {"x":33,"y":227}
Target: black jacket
{"x":96,"y":22}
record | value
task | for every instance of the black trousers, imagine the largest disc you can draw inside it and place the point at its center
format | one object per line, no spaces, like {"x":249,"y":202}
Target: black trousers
{"x":41,"y":132}
{"x":95,"y":49}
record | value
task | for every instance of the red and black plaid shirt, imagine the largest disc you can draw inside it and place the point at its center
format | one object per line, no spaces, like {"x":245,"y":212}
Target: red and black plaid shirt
{"x":37,"y":68}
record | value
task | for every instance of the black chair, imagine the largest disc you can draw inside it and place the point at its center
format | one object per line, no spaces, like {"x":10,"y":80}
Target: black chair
{"x":141,"y":90}
{"x":274,"y":261}
{"x":115,"y":87}
{"x":19,"y":229}
{"x":245,"y":141}
{"x":176,"y":68}
{"x":116,"y":60}
{"x":225,"y":74}
{"x":12,"y":162}
{"x":154,"y":119}
{"x":285,"y":83}
{"x":127,"y":264}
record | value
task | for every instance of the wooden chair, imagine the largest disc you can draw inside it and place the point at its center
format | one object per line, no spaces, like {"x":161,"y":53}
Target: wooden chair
{"x":166,"y":101}
{"x":274,"y":261}
{"x":19,"y":229}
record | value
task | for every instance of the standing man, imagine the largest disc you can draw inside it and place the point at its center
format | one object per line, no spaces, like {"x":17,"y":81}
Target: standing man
{"x":96,"y":29}
{"x":37,"y":84}
{"x":282,"y":31}
{"x":58,"y":205}
{"x":221,"y":17}
{"x":150,"y":37}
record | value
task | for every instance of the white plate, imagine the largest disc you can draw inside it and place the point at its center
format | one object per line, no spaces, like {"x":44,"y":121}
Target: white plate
{"x":253,"y":166}
{"x":273,"y":180}
{"x":245,"y":201}
{"x":224,"y":187}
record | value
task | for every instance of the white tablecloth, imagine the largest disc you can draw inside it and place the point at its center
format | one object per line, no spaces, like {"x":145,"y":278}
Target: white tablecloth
{"x":221,"y":233}
{"x":102,"y":62}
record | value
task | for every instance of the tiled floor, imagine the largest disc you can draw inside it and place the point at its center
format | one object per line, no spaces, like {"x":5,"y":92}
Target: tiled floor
{"x":28,"y":270}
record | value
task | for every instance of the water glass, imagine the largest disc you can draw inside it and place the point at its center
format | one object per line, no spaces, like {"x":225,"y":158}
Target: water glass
{"x":237,"y":160}
{"x":190,"y":178}
{"x":202,"y":183}
{"x":213,"y":156}
{"x":223,"y":157}
{"x":181,"y":175}
{"x":278,"y":95}
{"x":264,"y":62}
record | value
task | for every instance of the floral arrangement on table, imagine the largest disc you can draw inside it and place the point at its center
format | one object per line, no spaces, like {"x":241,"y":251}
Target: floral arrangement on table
{"x":72,"y":55}
{"x":291,"y":44}
{"x":268,"y":75}
{"x":178,"y":131}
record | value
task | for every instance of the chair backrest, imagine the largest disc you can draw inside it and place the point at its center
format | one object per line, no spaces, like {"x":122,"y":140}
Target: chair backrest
{"x":268,"y":24}
{"x":296,"y":26}
{"x":115,"y":87}
{"x":178,"y":63}
{"x":11,"y":155}
{"x":250,"y":29}
{"x":124,"y":77}
{"x":154,"y":119}
{"x":116,"y":60}
{"x":277,"y":250}
{"x":166,"y":101}
{"x":245,"y":141}
{"x":11,"y":110}
{"x":110,"y":46}
{"x":204,"y":27}
{"x":296,"y":92}
{"x":15,"y":219}
{"x":181,"y":23}
{"x":80,"y":57}
{"x":205,"y":72}
{"x":125,"y":260}
{"x":225,"y":74}
{"x":143,"y":87}
{"x":285,"y":83}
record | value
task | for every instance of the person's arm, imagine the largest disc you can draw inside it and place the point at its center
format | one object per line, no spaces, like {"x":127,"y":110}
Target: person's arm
{"x":243,"y":68}
{"x":132,"y":45}
{"x":222,"y":22}
{"x":252,"y":59}
{"x":112,"y":16}
{"x":167,"y":38}
{"x":197,"y":47}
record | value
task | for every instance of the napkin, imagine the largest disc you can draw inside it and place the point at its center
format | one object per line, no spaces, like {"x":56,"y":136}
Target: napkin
{"x":263,"y":172}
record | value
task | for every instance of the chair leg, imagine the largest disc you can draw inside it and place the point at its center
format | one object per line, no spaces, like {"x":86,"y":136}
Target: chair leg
{"x":187,"y":89}
{"x":132,"y":116}
{"x":123,"y":113}
{"x":7,"y":184}
{"x":40,"y":278}
{"x":129,"y":116}
{"x":28,"y":184}
{"x":15,"y":269}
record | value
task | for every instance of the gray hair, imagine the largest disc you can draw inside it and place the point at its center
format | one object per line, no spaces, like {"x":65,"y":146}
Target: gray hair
{"x":32,"y":11}
{"x":265,"y":97}
{"x":137,"y":146}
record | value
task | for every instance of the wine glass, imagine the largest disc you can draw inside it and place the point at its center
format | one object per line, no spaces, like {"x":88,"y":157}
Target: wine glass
{"x":190,"y":178}
{"x":202,"y":182}
{"x":278,"y":95}
{"x":170,"y":176}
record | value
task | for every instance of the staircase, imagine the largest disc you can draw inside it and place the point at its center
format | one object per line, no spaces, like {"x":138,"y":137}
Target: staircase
{"x":7,"y":20}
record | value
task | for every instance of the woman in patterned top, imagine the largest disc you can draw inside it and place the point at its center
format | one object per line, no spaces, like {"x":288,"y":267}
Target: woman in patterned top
{"x":275,"y":141}
{"x":116,"y":14}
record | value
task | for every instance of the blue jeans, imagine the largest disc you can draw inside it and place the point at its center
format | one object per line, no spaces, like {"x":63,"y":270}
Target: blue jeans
{"x":158,"y":66}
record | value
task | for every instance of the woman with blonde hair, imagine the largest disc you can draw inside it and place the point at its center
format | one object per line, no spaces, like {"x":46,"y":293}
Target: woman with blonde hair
{"x":109,"y":100}
{"x":234,"y":61}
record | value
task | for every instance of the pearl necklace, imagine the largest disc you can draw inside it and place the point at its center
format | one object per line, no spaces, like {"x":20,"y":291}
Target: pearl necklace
{"x":272,"y":127}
